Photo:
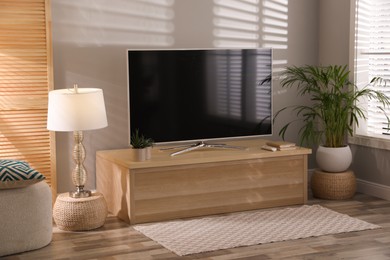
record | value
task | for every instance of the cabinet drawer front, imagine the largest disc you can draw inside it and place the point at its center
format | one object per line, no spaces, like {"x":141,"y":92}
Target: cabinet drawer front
{"x":210,"y":188}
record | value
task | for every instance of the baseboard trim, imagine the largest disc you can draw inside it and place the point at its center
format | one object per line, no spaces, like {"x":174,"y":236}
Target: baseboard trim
{"x":373,"y":189}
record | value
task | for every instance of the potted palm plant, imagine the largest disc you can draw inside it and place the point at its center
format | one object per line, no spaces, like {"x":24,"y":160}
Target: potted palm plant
{"x":333,"y":111}
{"x":141,"y":145}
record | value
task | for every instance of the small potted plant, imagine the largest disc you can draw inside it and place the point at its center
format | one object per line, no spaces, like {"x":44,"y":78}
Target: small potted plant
{"x":332,"y":113}
{"x":142,"y":146}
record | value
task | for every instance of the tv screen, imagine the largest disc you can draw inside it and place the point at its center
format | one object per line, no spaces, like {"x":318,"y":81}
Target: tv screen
{"x":186,"y":95}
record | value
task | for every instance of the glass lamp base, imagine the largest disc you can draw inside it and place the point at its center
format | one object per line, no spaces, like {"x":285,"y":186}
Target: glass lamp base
{"x":80,"y":194}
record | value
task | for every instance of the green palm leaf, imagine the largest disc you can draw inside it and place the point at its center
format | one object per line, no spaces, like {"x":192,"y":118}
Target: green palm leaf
{"x":334,"y":109}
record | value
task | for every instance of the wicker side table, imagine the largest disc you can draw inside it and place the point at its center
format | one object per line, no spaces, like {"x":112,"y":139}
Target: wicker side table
{"x":334,"y":186}
{"x":77,"y":214}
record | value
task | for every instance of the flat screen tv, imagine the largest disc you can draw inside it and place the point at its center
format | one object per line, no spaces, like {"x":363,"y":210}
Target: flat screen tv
{"x":200,"y":94}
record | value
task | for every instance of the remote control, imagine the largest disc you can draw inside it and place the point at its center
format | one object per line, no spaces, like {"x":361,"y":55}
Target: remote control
{"x":269,"y":148}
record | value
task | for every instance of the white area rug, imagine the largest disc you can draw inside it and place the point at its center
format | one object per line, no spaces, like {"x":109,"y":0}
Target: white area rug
{"x":185,"y":237}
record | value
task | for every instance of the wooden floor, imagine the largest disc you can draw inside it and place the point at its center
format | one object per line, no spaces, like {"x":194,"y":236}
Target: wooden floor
{"x":117,"y":240}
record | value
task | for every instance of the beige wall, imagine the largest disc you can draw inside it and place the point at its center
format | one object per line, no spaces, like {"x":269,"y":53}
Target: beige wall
{"x":334,"y":20}
{"x":91,"y":37}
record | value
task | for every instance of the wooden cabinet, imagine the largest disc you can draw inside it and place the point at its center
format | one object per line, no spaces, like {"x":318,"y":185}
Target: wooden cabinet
{"x":201,"y":182}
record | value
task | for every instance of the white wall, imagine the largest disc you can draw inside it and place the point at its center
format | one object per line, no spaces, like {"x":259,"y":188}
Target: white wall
{"x":90,"y":38}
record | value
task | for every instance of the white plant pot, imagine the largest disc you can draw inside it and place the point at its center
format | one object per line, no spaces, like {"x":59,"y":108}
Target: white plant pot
{"x":334,"y":159}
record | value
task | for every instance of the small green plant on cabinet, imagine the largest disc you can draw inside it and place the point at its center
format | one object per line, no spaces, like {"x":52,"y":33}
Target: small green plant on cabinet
{"x":139,"y":141}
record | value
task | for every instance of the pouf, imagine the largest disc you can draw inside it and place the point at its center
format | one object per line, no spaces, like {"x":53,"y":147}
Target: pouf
{"x":77,"y":214}
{"x":26,"y":218}
{"x":335,"y":186}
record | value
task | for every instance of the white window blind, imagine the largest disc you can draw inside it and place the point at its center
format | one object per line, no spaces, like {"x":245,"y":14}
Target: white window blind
{"x":372,"y":59}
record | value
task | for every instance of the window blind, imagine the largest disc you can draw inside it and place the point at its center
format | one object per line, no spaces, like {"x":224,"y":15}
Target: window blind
{"x":25,"y":79}
{"x":372,"y":59}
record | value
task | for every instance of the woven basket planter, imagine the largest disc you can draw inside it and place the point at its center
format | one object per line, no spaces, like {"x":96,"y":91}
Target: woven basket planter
{"x":334,"y":186}
{"x":77,"y":214}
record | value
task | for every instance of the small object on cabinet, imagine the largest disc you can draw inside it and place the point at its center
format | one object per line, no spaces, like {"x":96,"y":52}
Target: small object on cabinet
{"x":269,"y":148}
{"x":280,"y":144}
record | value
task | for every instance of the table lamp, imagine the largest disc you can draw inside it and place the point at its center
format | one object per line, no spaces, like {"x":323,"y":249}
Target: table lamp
{"x":77,"y":109}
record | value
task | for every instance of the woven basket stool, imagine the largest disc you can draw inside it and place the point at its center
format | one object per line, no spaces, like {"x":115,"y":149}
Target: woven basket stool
{"x":77,"y":214}
{"x":334,"y":186}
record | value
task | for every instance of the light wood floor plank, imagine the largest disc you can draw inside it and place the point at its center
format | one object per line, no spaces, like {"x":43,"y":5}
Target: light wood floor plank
{"x":116,"y":240}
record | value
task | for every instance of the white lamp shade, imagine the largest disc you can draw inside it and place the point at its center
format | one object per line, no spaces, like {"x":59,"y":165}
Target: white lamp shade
{"x":76,"y":111}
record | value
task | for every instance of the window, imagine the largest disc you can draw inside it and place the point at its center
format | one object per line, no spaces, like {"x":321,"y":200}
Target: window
{"x":372,"y":59}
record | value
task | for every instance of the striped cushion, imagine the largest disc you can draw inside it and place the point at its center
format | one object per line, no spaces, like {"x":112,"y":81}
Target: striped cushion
{"x":17,"y":174}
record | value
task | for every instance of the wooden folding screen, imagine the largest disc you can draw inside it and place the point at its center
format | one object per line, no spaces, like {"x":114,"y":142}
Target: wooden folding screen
{"x":26,"y":76}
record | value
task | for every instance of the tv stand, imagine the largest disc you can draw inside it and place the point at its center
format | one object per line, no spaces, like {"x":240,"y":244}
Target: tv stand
{"x":201,"y":144}
{"x":203,"y":182}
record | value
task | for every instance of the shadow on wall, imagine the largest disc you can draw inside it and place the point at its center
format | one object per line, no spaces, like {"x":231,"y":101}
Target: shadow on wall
{"x":253,"y":24}
{"x":90,"y":39}
{"x":120,"y":22}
